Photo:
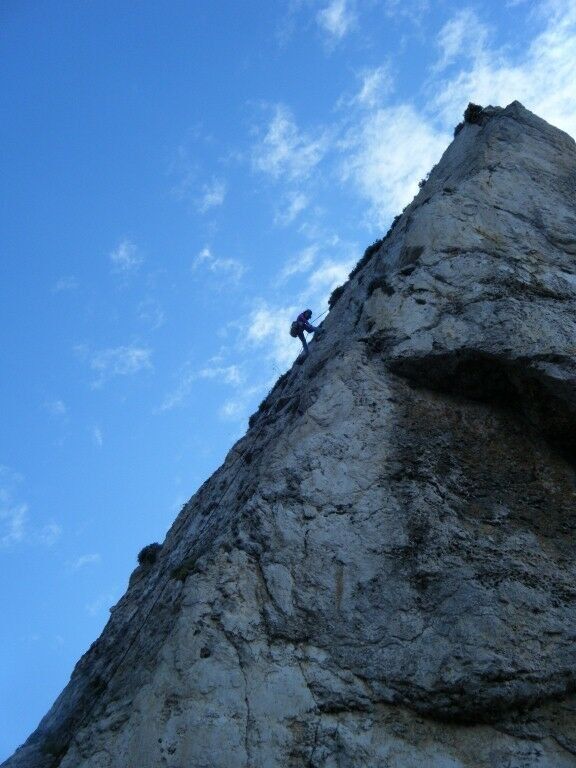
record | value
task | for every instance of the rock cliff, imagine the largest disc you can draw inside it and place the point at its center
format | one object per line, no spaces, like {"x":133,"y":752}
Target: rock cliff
{"x":382,"y":572}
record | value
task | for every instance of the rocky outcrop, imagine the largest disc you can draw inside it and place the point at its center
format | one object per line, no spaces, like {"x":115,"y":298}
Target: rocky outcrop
{"x":382,"y":573}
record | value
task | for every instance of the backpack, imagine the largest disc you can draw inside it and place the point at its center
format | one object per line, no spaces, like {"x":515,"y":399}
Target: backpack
{"x":294,"y":328}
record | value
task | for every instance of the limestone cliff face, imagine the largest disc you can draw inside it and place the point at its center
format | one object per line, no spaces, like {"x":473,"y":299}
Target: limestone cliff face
{"x":382,"y":573}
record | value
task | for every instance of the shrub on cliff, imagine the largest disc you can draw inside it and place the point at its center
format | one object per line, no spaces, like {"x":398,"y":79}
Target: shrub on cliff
{"x":149,"y":554}
{"x":368,"y":253}
{"x":335,"y":295}
{"x":473,"y":113}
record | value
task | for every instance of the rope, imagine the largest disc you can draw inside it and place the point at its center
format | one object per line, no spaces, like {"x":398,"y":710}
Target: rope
{"x":322,"y":315}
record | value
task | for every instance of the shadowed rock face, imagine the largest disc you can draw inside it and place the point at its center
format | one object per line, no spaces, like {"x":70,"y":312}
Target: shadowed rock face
{"x":382,"y":571}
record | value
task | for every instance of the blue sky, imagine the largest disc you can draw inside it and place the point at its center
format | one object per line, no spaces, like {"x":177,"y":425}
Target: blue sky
{"x":179,"y":179}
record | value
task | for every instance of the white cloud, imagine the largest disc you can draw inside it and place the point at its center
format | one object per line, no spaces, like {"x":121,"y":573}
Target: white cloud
{"x":296,"y":203}
{"x":377,"y":85}
{"x":301,"y":262}
{"x":232,"y":269}
{"x":126,"y":257}
{"x":65,"y":284}
{"x":327,"y":276}
{"x":178,"y":396}
{"x":85,"y":560}
{"x":269,"y":326}
{"x":230,"y":375}
{"x":336,"y":19}
{"x":213,"y":195}
{"x":285,"y":151}
{"x":117,"y":361}
{"x":464,"y":35}
{"x":388,"y":153}
{"x":232,"y":410}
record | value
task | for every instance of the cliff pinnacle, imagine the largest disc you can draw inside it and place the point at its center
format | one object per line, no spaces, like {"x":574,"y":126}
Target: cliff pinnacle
{"x":382,"y":572}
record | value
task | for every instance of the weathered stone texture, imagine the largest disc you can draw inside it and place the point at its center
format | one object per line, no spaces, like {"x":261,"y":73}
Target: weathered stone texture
{"x":382,"y":573}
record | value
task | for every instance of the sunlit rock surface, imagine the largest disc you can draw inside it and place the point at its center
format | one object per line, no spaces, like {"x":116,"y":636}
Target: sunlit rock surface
{"x":382,"y":573}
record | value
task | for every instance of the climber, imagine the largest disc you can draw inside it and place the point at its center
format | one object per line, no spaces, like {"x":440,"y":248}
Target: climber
{"x":301,"y":324}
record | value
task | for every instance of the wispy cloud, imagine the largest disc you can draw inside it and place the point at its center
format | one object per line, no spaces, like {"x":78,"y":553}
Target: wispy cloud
{"x":15,"y":527}
{"x":125,"y":258}
{"x":285,"y":151}
{"x":296,"y":203}
{"x":212,"y":196}
{"x":56,"y":408}
{"x":49,"y":534}
{"x":12,"y":512}
{"x":184,"y":172}
{"x":84,"y":560}
{"x":192,"y":183}
{"x":388,"y":154}
{"x":226,"y":375}
{"x":151,"y":313}
{"x":327,"y":276}
{"x":12,"y":521}
{"x":268,"y":327}
{"x":233,"y":410}
{"x":464,"y":35}
{"x":97,"y":436}
{"x":237,"y":408}
{"x":65,"y":284}
{"x":120,"y":361}
{"x":376,"y":85}
{"x":300,"y":262}
{"x":336,"y":19}
{"x":117,"y":361}
{"x":233,"y":269}
{"x":230,"y":375}
{"x":412,"y":10}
